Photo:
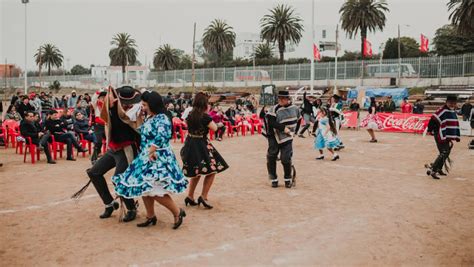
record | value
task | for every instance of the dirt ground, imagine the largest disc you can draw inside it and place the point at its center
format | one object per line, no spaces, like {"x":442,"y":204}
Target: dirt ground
{"x":375,"y":206}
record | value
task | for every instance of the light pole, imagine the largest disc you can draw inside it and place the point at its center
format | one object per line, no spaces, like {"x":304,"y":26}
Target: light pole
{"x":312,"y":48}
{"x":400,"y":55}
{"x":26,"y":58}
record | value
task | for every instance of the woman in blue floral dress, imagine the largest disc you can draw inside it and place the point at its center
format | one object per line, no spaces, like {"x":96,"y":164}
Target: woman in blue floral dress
{"x":326,"y":135}
{"x":155,"y":173}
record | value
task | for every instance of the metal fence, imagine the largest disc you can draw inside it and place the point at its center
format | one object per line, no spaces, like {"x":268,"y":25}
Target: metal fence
{"x":423,"y":67}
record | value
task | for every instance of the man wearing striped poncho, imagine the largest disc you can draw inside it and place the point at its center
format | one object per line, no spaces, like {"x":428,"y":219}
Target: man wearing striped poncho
{"x":444,"y":125}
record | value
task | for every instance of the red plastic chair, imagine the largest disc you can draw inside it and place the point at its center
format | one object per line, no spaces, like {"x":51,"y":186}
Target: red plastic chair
{"x":85,"y":143}
{"x":256,"y":124}
{"x":33,"y":151}
{"x":12,"y":131}
{"x":181,"y":127}
{"x":58,"y":146}
{"x":4,"y":136}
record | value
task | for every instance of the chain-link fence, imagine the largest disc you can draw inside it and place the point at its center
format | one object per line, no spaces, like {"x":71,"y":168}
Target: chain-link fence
{"x":423,"y":67}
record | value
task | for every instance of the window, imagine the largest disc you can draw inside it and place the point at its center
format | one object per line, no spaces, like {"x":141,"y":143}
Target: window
{"x":324,"y":34}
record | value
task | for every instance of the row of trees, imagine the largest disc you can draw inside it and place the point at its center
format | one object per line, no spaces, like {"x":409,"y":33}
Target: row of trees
{"x":280,"y":26}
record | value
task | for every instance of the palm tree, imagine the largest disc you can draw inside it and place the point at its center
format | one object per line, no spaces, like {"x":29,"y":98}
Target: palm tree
{"x":125,"y":53}
{"x":50,"y":56}
{"x":166,"y":58}
{"x":281,"y":25}
{"x":218,"y":38}
{"x":462,"y":15}
{"x":263,"y":51}
{"x":363,"y":15}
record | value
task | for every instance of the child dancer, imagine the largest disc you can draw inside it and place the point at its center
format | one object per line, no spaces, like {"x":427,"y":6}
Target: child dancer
{"x":326,"y":135}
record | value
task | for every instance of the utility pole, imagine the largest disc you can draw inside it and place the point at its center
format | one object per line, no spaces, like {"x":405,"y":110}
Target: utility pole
{"x":312,"y":48}
{"x":399,"y":57}
{"x":335,"y":62}
{"x":26,"y":58}
{"x":194,"y":59}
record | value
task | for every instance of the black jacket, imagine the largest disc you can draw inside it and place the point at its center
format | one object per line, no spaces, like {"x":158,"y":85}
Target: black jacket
{"x":81,"y":127}
{"x":22,"y":109}
{"x":307,"y":107}
{"x":55,"y":127}
{"x":28,"y":129}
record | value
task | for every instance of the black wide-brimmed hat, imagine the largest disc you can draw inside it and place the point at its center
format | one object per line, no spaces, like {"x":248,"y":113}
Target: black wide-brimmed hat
{"x":453,"y":98}
{"x":283,"y":94}
{"x":128,"y":95}
{"x":337,"y":97}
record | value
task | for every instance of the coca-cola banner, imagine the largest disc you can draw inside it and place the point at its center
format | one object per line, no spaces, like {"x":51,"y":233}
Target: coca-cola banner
{"x":350,"y":119}
{"x":404,"y":122}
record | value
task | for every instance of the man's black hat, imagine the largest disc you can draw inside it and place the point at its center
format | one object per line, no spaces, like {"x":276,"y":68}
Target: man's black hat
{"x":453,"y":98}
{"x":128,"y":95}
{"x":284,"y":94}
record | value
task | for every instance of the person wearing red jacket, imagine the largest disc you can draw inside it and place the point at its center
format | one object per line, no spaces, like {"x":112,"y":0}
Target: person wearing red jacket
{"x":406,"y":106}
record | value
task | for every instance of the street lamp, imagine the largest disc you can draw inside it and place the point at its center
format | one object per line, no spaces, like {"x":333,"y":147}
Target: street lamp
{"x":26,"y":58}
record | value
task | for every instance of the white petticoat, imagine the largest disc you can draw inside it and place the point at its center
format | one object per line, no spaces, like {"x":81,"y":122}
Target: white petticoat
{"x":157,"y":191}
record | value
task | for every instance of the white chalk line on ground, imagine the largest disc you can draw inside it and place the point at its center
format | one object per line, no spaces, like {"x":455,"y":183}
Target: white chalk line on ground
{"x":47,"y":205}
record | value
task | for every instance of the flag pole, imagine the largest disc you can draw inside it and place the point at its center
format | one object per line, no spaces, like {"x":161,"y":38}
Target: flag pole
{"x":312,"y":48}
{"x":399,"y":57}
{"x":335,"y":62}
{"x":193,"y":75}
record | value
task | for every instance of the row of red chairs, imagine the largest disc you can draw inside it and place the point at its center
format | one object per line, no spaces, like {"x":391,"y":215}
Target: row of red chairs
{"x":253,"y":124}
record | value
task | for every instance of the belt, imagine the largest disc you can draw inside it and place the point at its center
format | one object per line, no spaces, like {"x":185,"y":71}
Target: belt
{"x":195,"y":136}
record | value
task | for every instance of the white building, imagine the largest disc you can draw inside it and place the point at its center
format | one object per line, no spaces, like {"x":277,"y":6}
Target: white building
{"x":112,"y":75}
{"x":246,"y":43}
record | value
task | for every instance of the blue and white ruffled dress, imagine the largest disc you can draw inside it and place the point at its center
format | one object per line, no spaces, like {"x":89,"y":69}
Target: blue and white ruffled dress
{"x":325,"y":141}
{"x":152,"y":178}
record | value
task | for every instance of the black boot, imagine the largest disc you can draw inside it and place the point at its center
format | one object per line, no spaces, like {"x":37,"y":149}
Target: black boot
{"x":288,"y":175}
{"x":130,"y":215}
{"x":271,"y":168}
{"x":109,"y":209}
{"x":95,"y":155}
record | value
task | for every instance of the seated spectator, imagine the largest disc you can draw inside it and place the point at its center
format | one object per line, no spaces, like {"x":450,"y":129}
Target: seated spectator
{"x":466,"y":110}
{"x":380,"y":107}
{"x":418,"y":107}
{"x":68,"y":120}
{"x":230,"y":114}
{"x":12,"y":114}
{"x":81,"y":106}
{"x":25,"y":106}
{"x":57,"y":128}
{"x":218,"y":117}
{"x":81,"y":126}
{"x":171,"y":109}
{"x":40,"y":139}
{"x":406,"y":107}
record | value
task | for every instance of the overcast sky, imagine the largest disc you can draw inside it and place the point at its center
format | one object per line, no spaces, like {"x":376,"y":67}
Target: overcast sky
{"x":82,"y":29}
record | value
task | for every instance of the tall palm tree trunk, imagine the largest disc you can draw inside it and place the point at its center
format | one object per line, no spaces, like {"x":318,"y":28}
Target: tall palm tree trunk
{"x":363,"y":36}
{"x":49,"y":69}
{"x":281,"y":48}
{"x":124,"y":64}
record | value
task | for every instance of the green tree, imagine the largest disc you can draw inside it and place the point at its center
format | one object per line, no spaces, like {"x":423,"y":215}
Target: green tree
{"x":185,"y":61}
{"x":448,"y":41}
{"x":50,"y":56}
{"x":409,"y":47}
{"x":263,"y":51}
{"x":218,"y":38}
{"x":281,"y":25}
{"x":125,"y":53}
{"x":79,"y":70}
{"x":462,"y":16}
{"x":363,"y":16}
{"x":166,"y":58}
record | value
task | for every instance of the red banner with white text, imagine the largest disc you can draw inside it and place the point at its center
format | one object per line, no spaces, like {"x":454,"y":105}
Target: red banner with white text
{"x":404,"y":122}
{"x":350,"y":119}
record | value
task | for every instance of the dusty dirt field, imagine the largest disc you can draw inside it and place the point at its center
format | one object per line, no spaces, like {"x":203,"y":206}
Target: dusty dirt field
{"x":373,"y":207}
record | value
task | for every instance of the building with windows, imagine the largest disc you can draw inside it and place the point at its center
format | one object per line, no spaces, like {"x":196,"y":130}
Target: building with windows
{"x":112,"y":75}
{"x":246,"y":43}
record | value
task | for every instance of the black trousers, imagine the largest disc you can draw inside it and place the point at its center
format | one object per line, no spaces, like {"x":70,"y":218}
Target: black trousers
{"x":220,"y":132}
{"x":286,"y":153}
{"x":111,"y":159}
{"x":444,"y":149}
{"x":69,"y":140}
{"x":99,"y":131}
{"x":43,"y":142}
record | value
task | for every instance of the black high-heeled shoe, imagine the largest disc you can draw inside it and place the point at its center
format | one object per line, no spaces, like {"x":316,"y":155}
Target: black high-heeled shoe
{"x":148,"y":221}
{"x":181,"y":215}
{"x":189,"y":201}
{"x":109,"y":209}
{"x":206,"y":205}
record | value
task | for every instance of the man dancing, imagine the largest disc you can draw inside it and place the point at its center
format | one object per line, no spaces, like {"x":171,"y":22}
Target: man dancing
{"x":281,"y":122}
{"x":336,"y":113}
{"x":444,"y":125}
{"x":121,"y":114}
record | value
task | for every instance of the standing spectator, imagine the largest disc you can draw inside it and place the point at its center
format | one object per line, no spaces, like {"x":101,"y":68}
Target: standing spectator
{"x":54,"y":100}
{"x":46,"y":105}
{"x":25,"y":106}
{"x":72,"y":101}
{"x":63,"y":101}
{"x":418,"y":107}
{"x":380,"y":107}
{"x":28,"y":129}
{"x":466,"y":110}
{"x":15,"y":98}
{"x":12,"y":114}
{"x":81,"y":106}
{"x":389,"y":106}
{"x":354,"y":106}
{"x":307,"y":112}
{"x":406,"y":106}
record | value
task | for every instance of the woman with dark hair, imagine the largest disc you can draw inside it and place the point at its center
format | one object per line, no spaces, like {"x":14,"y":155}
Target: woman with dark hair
{"x":154,"y":174}
{"x":12,"y":114}
{"x":198,"y":154}
{"x":372,"y":121}
{"x":326,"y":135}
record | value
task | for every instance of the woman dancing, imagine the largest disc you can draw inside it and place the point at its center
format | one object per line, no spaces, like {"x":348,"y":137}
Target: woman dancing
{"x":372,"y":121}
{"x":198,"y":154}
{"x":326,"y":135}
{"x":155,"y":173}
